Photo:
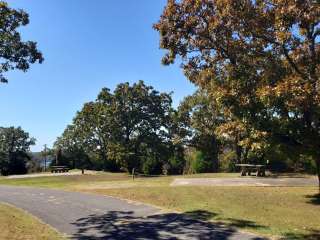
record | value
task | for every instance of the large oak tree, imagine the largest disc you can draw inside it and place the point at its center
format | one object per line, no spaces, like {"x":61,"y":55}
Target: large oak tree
{"x":126,"y":129}
{"x":260,"y":59}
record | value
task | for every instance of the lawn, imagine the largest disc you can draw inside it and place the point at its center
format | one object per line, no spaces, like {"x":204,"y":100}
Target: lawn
{"x":291,"y":212}
{"x":17,"y":224}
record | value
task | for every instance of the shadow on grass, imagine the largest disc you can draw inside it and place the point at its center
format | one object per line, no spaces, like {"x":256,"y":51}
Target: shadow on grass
{"x":314,"y":199}
{"x":240,"y":223}
{"x":169,"y":226}
{"x":201,"y":215}
{"x":230,"y":222}
{"x":285,"y":175}
{"x":313,"y":235}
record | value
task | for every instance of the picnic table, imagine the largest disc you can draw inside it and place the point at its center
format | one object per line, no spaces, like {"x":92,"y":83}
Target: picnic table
{"x":59,"y":169}
{"x":249,"y":168}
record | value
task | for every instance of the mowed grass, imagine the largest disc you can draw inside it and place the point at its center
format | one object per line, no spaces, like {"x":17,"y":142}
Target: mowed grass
{"x":268,"y":210}
{"x":66,"y":181}
{"x":102,"y":179}
{"x":290,"y":212}
{"x":16,"y":224}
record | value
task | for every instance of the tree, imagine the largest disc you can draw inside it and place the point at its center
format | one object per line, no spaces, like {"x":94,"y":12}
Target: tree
{"x":14,"y":53}
{"x":259,"y":59}
{"x":126,"y":129}
{"x":69,"y":149}
{"x":142,"y":117}
{"x":14,"y":145}
{"x":199,"y":116}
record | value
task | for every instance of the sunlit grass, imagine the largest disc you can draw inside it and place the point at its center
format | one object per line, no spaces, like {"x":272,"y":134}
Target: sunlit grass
{"x":292,"y":212}
{"x":17,"y":224}
{"x":268,"y":210}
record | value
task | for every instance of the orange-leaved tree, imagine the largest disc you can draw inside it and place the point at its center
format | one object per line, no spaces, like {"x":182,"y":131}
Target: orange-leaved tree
{"x":260,"y":59}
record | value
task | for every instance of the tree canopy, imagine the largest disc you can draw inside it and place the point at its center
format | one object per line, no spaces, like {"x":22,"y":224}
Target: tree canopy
{"x":198,"y":118}
{"x":15,"y":53}
{"x":14,"y":145}
{"x":258,"y":59}
{"x":124,"y":129}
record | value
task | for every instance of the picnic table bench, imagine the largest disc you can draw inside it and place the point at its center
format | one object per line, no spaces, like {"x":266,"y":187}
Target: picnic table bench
{"x":249,"y":168}
{"x":59,"y":169}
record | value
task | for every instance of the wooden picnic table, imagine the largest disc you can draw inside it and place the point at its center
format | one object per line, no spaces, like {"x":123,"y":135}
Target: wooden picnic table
{"x":249,"y":168}
{"x":57,"y":169}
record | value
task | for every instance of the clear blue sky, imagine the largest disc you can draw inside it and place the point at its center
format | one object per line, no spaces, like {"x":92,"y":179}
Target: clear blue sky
{"x":87,"y":45}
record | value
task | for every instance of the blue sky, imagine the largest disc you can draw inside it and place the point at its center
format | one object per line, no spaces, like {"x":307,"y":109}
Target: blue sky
{"x":87,"y":45}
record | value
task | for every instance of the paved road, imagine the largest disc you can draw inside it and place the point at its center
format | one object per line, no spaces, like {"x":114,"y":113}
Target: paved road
{"x":87,"y":216}
{"x":246,"y":181}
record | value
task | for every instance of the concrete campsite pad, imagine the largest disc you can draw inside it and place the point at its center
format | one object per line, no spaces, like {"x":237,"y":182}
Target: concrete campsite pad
{"x":246,"y":181}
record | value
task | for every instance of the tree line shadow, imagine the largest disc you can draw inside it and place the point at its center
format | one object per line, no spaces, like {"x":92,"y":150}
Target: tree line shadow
{"x":312,"y":235}
{"x":169,"y":226}
{"x":313,"y":199}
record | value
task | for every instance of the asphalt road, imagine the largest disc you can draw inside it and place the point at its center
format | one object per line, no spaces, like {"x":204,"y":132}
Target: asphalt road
{"x":88,"y":216}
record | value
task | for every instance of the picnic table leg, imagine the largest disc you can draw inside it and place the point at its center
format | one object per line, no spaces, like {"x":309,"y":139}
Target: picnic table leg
{"x":243,"y":171}
{"x":261,"y":172}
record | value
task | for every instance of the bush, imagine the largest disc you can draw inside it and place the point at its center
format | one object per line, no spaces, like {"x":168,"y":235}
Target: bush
{"x":197,"y":163}
{"x":176,"y":165}
{"x":227,"y":161}
{"x":151,"y":165}
{"x":17,"y":164}
{"x":14,"y":163}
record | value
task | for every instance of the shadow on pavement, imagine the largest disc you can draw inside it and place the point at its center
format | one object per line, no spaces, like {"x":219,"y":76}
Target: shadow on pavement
{"x":169,"y":226}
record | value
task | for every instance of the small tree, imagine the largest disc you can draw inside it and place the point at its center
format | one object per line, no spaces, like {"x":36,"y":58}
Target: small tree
{"x":14,"y":145}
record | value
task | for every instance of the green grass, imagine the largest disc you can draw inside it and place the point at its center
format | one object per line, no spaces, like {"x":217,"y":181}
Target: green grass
{"x":292,"y":212}
{"x":65,"y":181}
{"x":17,"y":224}
{"x":267,"y":210}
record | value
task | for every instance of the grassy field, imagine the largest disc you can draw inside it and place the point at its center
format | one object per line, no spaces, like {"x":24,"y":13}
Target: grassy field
{"x":291,"y":212}
{"x":16,"y":224}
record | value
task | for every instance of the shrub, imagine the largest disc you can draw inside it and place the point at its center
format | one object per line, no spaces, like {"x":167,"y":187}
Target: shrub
{"x":176,"y":165}
{"x":151,"y":165}
{"x":227,"y":161}
{"x":197,"y":163}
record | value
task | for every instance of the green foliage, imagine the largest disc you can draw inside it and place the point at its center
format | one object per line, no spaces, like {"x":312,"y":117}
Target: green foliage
{"x":123,"y":129}
{"x":17,"y":163}
{"x":197,"y":163}
{"x":198,"y":116}
{"x":176,"y":164}
{"x":228,"y":160}
{"x":151,"y":165}
{"x":14,"y":53}
{"x":259,"y":60}
{"x":14,"y":145}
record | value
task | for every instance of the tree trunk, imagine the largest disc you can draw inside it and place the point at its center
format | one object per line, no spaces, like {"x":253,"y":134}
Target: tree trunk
{"x":238,"y":153}
{"x":318,"y":171}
